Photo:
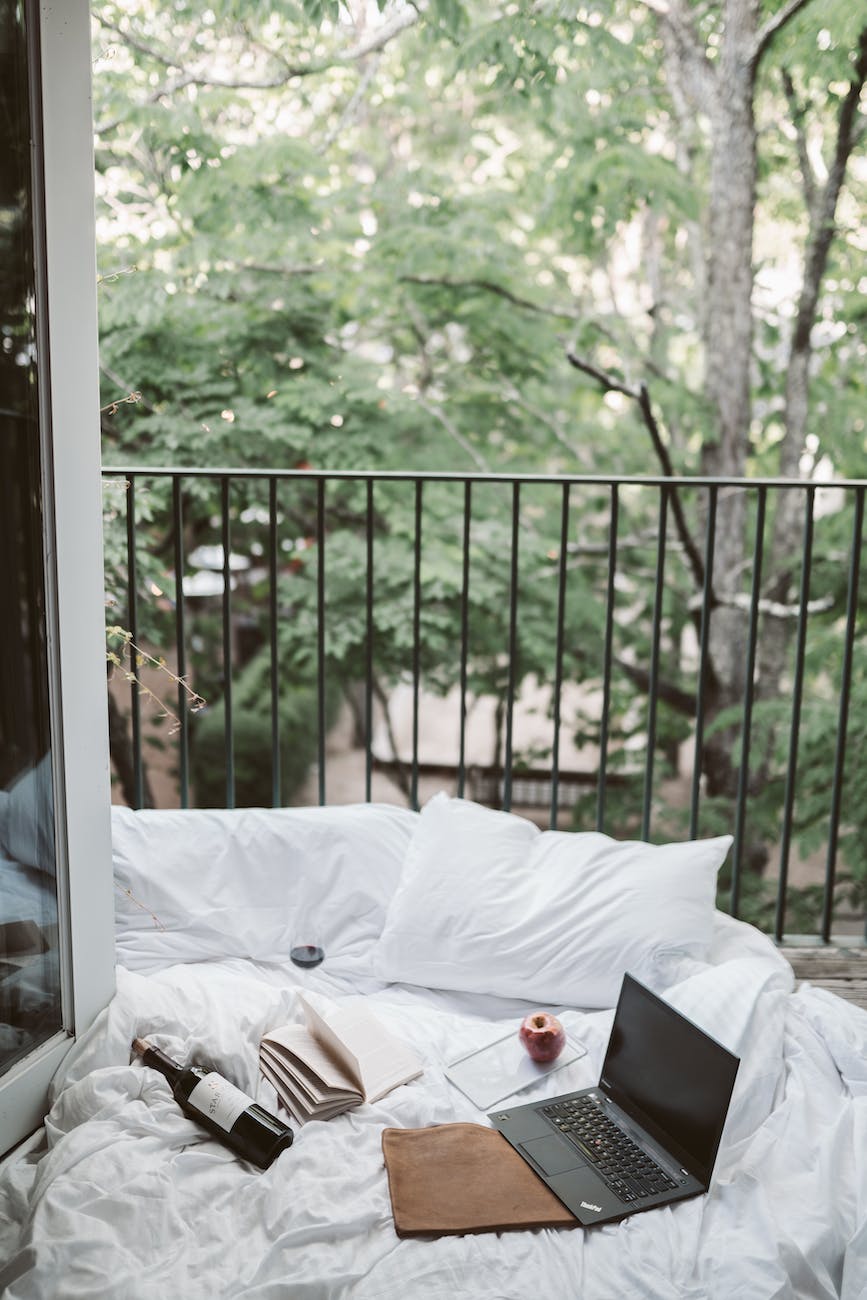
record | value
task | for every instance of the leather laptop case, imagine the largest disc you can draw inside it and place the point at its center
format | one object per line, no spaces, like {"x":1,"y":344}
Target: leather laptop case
{"x":460,"y":1178}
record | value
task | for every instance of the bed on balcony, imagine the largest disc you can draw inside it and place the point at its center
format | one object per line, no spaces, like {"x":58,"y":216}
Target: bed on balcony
{"x":452,"y":924}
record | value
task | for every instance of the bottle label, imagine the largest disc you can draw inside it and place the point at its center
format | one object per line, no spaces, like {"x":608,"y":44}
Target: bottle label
{"x":220,"y":1100}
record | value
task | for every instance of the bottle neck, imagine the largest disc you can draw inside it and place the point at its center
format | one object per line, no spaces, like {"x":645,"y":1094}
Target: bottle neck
{"x":158,"y":1060}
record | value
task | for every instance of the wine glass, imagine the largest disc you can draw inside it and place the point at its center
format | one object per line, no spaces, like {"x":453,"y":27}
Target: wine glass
{"x":306,"y":950}
{"x":306,"y":954}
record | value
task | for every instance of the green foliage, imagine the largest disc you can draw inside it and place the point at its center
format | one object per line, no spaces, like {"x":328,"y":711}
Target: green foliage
{"x":424,"y":234}
{"x":341,"y":239}
{"x":298,"y":720}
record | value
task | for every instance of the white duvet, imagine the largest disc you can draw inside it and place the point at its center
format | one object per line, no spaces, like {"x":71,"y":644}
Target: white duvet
{"x":125,"y":1197}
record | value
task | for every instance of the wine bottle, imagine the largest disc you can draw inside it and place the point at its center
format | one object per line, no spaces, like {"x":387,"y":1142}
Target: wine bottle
{"x":220,"y":1107}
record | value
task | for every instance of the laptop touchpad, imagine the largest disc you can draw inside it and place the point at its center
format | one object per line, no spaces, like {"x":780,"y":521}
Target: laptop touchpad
{"x":553,"y":1155}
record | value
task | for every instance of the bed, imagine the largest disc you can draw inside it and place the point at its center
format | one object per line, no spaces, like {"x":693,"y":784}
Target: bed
{"x":452,"y":924}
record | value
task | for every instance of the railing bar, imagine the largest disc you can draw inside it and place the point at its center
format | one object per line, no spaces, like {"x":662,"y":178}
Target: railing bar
{"x":416,"y":643}
{"x":797,"y":690}
{"x":513,"y":649}
{"x":368,"y":657}
{"x":181,"y":642}
{"x":706,"y":602}
{"x":558,"y":658}
{"x":132,"y":614}
{"x":368,"y":648}
{"x":465,"y":637}
{"x":654,"y":663}
{"x":228,"y":720}
{"x":447,"y":476}
{"x":273,"y":606}
{"x":320,"y":635}
{"x":749,"y":692}
{"x":607,"y":657}
{"x":845,"y":684}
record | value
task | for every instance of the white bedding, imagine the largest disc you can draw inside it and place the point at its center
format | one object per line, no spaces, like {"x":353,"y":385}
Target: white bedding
{"x":126,"y":1197}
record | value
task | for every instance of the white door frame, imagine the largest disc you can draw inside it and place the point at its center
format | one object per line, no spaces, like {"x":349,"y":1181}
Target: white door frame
{"x":74,"y":563}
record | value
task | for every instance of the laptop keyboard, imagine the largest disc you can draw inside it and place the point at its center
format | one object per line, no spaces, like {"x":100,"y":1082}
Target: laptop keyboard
{"x":628,"y":1171}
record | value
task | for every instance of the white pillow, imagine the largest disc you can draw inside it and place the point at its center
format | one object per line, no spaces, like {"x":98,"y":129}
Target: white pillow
{"x":488,"y":903}
{"x":201,"y":884}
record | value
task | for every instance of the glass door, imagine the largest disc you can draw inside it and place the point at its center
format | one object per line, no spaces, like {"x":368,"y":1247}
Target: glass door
{"x":30,"y":1000}
{"x":56,"y":944}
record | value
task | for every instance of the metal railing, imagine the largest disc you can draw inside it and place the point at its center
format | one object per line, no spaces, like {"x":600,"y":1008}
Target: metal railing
{"x":665,"y":598}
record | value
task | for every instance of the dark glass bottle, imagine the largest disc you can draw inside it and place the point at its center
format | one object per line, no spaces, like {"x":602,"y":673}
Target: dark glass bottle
{"x":220,"y":1107}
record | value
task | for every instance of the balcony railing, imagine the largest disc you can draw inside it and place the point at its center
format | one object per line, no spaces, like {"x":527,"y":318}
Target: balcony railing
{"x":693,"y":642}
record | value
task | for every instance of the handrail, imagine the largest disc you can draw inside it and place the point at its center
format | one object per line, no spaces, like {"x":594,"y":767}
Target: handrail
{"x":481,"y":476}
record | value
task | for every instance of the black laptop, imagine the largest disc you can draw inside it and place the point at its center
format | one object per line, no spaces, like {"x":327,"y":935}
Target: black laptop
{"x":648,"y":1133}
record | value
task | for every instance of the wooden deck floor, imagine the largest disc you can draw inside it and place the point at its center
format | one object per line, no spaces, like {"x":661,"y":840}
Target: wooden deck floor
{"x":840,"y":970}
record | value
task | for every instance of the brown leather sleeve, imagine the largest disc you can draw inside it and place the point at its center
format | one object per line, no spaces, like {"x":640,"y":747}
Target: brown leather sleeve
{"x":456,"y":1178}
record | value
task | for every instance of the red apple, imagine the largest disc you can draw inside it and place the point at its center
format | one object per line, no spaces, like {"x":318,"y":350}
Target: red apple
{"x":542,"y":1035}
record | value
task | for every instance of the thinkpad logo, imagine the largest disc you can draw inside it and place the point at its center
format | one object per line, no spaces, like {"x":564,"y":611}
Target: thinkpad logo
{"x":585,"y":1205}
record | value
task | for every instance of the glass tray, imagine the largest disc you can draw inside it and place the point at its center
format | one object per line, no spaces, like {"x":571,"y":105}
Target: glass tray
{"x":500,"y":1069}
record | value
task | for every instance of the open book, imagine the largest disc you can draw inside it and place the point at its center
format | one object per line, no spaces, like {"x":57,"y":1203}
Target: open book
{"x":343,"y":1057}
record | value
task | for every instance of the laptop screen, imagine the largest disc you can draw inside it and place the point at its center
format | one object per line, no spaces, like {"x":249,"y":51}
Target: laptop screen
{"x":679,"y":1077}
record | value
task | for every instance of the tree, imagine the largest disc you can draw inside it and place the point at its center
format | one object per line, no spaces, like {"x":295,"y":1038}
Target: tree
{"x":411,"y":239}
{"x":720,"y":83}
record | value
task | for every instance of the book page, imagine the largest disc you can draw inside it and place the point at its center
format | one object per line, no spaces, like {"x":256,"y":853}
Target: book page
{"x":285,"y":1087}
{"x":321,"y":1015}
{"x":297,"y":1099}
{"x":313,"y":1057}
{"x":378,"y":1059}
{"x":289,"y":1065}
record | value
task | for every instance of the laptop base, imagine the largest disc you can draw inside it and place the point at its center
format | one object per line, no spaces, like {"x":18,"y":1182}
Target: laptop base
{"x":570,"y":1175}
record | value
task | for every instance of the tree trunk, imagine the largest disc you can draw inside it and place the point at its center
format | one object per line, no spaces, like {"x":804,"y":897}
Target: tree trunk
{"x":728,"y":342}
{"x":821,"y":203}
{"x":719,"y":88}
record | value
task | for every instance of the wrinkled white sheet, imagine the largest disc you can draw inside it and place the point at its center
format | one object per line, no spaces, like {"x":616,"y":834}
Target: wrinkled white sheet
{"x":128,"y":1198}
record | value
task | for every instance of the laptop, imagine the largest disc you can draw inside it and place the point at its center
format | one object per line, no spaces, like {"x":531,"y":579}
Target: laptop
{"x":648,"y":1133}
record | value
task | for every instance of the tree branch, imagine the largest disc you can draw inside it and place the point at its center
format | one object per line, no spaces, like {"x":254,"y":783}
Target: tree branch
{"x":376,"y":40}
{"x":641,"y":397}
{"x":681,"y":701}
{"x":143,"y":47}
{"x":490,"y":286}
{"x":775,"y":24}
{"x":824,"y":215}
{"x":698,"y":74}
{"x":126,"y":389}
{"x":772,"y":608}
{"x":797,"y":114}
{"x":268,"y":268}
{"x":822,"y":228}
{"x":454,"y":432}
{"x":167,"y":88}
{"x":351,"y":108}
{"x":566,"y":441}
{"x":606,"y":381}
